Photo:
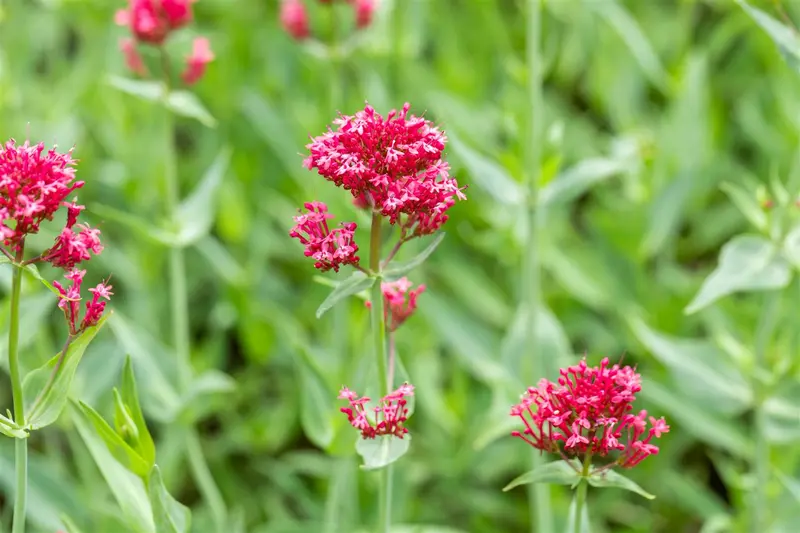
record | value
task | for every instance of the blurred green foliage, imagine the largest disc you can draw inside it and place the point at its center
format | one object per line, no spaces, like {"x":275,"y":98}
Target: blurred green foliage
{"x":650,"y":107}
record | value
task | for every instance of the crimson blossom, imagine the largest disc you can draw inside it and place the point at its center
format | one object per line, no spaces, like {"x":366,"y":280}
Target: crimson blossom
{"x":330,"y":248}
{"x":589,"y":411}
{"x":393,"y":165}
{"x":390,"y":413}
{"x":400,"y":301}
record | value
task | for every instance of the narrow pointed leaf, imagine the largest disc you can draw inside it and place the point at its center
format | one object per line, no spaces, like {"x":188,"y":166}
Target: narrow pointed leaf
{"x":33,"y":271}
{"x":130,"y":397}
{"x":46,"y":396}
{"x":169,"y":515}
{"x":382,"y":451}
{"x":555,"y":473}
{"x":398,"y":270}
{"x":186,"y":104}
{"x":196,"y":213}
{"x":487,"y":174}
{"x":121,"y":450}
{"x":352,"y":285}
{"x":784,"y":37}
{"x":139,"y":225}
{"x":746,"y":202}
{"x":613,"y":479}
{"x":148,"y":90}
{"x":579,"y":178}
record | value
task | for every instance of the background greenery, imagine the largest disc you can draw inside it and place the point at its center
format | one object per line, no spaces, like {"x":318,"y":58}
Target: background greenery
{"x":650,"y":107}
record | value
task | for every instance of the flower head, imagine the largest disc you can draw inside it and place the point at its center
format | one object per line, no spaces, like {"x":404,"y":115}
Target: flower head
{"x":294,"y":19}
{"x":73,"y":247}
{"x":33,"y":185}
{"x":196,"y":63}
{"x":393,"y":164}
{"x":151,"y":21}
{"x":400,"y":301}
{"x":331,"y":248}
{"x":365,"y":9}
{"x":589,"y":411}
{"x":390,"y":413}
{"x":70,"y":299}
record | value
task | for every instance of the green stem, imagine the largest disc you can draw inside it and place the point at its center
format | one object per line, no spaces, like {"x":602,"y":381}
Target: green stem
{"x":379,"y":340}
{"x":580,"y":495}
{"x":764,"y":331}
{"x":538,"y":493}
{"x":20,"y":445}
{"x":179,"y":303}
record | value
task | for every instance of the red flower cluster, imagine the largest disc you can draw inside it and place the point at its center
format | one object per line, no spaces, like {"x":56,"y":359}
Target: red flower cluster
{"x":390,"y":414}
{"x":33,"y":186}
{"x":151,"y":22}
{"x":70,"y":299}
{"x":394,"y":165}
{"x":330,"y":248}
{"x":396,"y":307}
{"x":589,"y":411}
{"x":294,"y":16}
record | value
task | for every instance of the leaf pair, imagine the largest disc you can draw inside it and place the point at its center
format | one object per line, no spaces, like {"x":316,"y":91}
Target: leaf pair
{"x":564,"y":473}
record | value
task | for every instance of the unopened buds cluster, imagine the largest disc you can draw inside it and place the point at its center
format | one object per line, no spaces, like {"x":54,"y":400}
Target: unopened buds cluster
{"x":151,"y":22}
{"x":295,"y":21}
{"x":34,"y":185}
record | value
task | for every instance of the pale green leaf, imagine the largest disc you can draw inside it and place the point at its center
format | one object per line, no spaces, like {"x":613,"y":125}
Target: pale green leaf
{"x":554,"y":473}
{"x":578,"y":179}
{"x":397,"y":270}
{"x":382,"y":451}
{"x":487,"y":174}
{"x":188,"y":105}
{"x":613,"y":479}
{"x":195,"y":214}
{"x":120,"y":450}
{"x":169,"y":515}
{"x":356,"y":283}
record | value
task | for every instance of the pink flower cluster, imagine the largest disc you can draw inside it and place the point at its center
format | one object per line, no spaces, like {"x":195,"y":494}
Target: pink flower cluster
{"x":70,"y":247}
{"x":294,"y":16}
{"x":70,"y":299}
{"x":33,"y":186}
{"x":589,"y":411}
{"x":151,"y":22}
{"x":394,"y":165}
{"x":330,"y":248}
{"x":390,"y":414}
{"x":400,"y":301}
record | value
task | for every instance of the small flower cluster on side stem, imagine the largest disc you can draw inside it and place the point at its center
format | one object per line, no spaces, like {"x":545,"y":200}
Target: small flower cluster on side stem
{"x":294,"y":16}
{"x":151,"y":22}
{"x":589,"y":412}
{"x":390,"y":413}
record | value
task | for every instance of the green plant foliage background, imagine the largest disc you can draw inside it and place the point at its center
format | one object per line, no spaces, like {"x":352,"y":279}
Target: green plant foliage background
{"x":649,"y":107}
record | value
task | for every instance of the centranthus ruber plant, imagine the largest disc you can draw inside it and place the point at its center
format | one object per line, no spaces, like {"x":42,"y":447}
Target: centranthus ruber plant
{"x":588,"y":414}
{"x":34,"y":187}
{"x":392,"y":167}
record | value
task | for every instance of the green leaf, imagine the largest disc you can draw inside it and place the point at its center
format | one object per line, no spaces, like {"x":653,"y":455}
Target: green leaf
{"x":356,"y":283}
{"x":121,"y":450}
{"x":382,"y":451}
{"x":128,"y":489}
{"x":746,"y":202}
{"x":577,"y":179}
{"x":139,"y":225}
{"x":69,"y":524}
{"x":179,"y":102}
{"x":791,"y":247}
{"x":34,"y":272}
{"x":195,"y":214}
{"x":149,"y":90}
{"x":169,"y":515}
{"x":46,"y":389}
{"x":613,"y":479}
{"x":487,"y":174}
{"x":784,"y":37}
{"x":554,"y":473}
{"x":188,"y":105}
{"x":130,"y":397}
{"x":315,"y":402}
{"x":704,"y":371}
{"x":747,"y":263}
{"x":397,"y":270}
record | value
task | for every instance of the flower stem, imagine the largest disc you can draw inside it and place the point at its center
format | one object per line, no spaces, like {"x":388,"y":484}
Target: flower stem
{"x":580,"y":495}
{"x":179,"y":303}
{"x":764,"y":331}
{"x":538,"y":493}
{"x":379,"y":340}
{"x":20,"y":445}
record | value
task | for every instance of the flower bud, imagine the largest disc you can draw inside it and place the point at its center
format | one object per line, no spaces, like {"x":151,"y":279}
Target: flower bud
{"x":294,"y":19}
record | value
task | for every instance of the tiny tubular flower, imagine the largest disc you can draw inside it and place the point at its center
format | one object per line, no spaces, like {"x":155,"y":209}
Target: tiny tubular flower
{"x":589,"y":411}
{"x":33,"y":186}
{"x":389,"y":417}
{"x":330,"y":248}
{"x":197,"y":61}
{"x":394,"y":165}
{"x":294,"y":19}
{"x":400,"y":301}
